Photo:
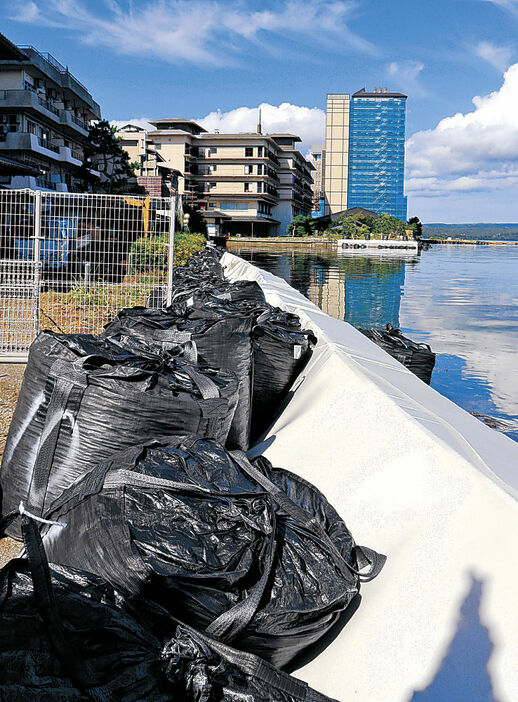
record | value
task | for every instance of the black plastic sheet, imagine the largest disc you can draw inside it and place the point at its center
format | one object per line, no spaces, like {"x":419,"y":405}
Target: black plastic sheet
{"x":251,"y":554}
{"x":417,"y":357}
{"x":83,"y":399}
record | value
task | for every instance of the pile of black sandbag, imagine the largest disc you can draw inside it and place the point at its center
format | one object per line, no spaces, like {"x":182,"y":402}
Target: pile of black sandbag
{"x":180,"y":569}
{"x":272,"y":572}
{"x":83,"y":398}
{"x":417,"y":357}
{"x":66,"y":634}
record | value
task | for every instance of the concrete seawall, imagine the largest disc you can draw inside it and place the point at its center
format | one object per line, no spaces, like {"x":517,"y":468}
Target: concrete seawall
{"x":421,"y":480}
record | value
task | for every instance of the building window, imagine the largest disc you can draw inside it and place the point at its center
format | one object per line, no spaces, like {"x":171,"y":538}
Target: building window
{"x":249,"y":151}
{"x":260,"y":169}
{"x":259,"y":187}
{"x":212,"y":205}
{"x":212,"y":150}
{"x":212,"y":168}
{"x":212,"y":185}
{"x":234,"y":206}
{"x":246,"y":187}
{"x":249,"y":169}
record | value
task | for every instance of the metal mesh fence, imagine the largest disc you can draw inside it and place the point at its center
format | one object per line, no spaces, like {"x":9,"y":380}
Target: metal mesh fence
{"x":69,"y":261}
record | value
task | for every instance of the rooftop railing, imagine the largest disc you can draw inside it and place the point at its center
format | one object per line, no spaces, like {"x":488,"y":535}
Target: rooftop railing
{"x":56,"y":65}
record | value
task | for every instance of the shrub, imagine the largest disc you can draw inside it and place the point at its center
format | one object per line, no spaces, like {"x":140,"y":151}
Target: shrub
{"x":150,"y":253}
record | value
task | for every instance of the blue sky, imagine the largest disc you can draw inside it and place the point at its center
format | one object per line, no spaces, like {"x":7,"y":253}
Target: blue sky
{"x":217,"y":61}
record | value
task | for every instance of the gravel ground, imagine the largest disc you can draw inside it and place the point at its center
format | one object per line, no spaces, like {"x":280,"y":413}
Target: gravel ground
{"x":11,"y":376}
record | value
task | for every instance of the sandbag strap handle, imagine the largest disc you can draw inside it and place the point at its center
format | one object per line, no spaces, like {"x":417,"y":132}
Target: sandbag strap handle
{"x":376,"y":561}
{"x":279,"y":496}
{"x":366,"y":556}
{"x":208,"y":389}
{"x":262,"y":670}
{"x":65,"y":378}
{"x":91,"y":484}
{"x":230,"y":623}
{"x":79,"y":671}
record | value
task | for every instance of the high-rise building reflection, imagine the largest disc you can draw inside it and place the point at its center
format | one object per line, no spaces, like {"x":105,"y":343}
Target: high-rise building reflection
{"x":363,"y":290}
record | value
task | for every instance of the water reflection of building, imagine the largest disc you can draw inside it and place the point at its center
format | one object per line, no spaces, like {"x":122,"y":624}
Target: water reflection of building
{"x":327,"y":291}
{"x":374,"y":301}
{"x":363,"y":291}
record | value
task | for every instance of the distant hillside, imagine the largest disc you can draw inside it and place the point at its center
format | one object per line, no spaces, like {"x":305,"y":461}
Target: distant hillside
{"x":499,"y":232}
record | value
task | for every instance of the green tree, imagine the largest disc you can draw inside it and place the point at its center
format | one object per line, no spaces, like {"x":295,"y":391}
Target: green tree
{"x":385,"y":225}
{"x":416,"y":226}
{"x":353,"y":227}
{"x":104,"y":154}
{"x":301,"y":225}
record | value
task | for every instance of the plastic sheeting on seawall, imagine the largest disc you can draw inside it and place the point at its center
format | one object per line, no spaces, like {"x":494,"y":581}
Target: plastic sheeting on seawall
{"x":434,"y":489}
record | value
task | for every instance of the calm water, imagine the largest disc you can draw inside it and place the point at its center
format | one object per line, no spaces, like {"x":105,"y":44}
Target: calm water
{"x":462,"y":300}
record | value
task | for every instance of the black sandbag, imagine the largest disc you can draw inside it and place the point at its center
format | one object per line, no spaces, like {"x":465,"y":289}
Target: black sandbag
{"x":281,"y":350}
{"x":83,"y":398}
{"x":251,"y":554}
{"x":66,"y":634}
{"x":188,"y":293}
{"x":221,"y":338}
{"x":417,"y":357}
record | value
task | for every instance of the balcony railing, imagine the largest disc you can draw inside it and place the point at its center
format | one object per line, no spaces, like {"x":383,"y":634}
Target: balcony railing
{"x":56,"y":65}
{"x":79,"y":122}
{"x":48,"y":105}
{"x":46,"y":145}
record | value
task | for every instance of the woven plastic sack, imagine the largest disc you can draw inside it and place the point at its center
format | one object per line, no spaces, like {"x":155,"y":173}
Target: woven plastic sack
{"x":417,"y":357}
{"x":68,"y":635}
{"x":83,"y":398}
{"x":281,"y":350}
{"x":252,"y":555}
{"x":220,"y":336}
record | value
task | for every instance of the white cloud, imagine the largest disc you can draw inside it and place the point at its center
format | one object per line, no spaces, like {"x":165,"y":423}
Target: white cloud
{"x":510,"y":5}
{"x":498,"y":56}
{"x":477,"y":150}
{"x":196,"y":31}
{"x":306,"y":122}
{"x":405,"y":76}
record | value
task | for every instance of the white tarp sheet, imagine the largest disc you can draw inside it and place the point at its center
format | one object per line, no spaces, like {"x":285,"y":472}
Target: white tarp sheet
{"x":424,"y":482}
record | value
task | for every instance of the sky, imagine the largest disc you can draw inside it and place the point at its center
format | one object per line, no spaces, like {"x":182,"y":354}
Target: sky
{"x":217,"y":61}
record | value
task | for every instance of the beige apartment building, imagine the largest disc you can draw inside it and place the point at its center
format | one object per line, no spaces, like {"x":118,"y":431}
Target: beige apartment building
{"x":337,"y":152}
{"x":251,"y":184}
{"x":318,"y":154}
{"x":44,"y":116}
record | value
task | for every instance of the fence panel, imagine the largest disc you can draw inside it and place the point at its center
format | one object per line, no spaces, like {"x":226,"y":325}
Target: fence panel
{"x":97,"y":253}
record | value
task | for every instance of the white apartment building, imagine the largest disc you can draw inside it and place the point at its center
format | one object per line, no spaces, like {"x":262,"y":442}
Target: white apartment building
{"x":253,"y":183}
{"x":44,"y":116}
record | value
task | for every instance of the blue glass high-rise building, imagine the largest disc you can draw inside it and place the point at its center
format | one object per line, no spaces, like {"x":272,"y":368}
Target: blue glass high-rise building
{"x":377,"y":152}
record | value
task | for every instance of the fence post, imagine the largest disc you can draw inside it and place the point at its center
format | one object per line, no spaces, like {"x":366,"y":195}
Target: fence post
{"x":37,"y":259}
{"x":170,"y":257}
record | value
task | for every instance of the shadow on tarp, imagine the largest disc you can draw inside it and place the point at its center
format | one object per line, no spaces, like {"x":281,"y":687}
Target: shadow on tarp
{"x":311,"y":652}
{"x":463,"y":674}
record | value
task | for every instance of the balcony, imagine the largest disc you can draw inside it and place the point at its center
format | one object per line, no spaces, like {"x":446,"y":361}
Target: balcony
{"x":60,"y":74}
{"x":23,"y":141}
{"x":74,"y":123}
{"x":30,"y":100}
